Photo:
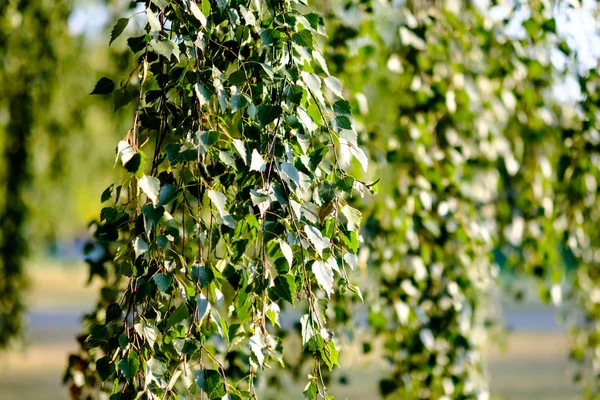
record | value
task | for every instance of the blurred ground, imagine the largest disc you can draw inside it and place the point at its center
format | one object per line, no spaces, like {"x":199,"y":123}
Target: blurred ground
{"x":534,"y":365}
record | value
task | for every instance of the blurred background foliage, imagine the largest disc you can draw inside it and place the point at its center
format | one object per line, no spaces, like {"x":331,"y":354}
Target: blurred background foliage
{"x":54,"y":141}
{"x":484,"y":139}
{"x":480,"y":121}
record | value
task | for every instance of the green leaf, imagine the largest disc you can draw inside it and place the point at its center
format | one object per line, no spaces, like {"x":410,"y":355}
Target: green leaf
{"x":139,"y":246}
{"x":240,"y":147}
{"x":227,"y":158}
{"x":138,"y":43}
{"x":284,"y":287}
{"x":107,"y":194}
{"x":270,"y":36}
{"x":360,"y":155}
{"x":351,"y":259}
{"x":349,"y":135}
{"x":118,"y":29}
{"x":257,"y":163}
{"x":130,"y":366}
{"x":165,"y":48}
{"x":313,"y":82}
{"x":324,"y":274}
{"x":273,"y":312}
{"x":162,"y":241}
{"x":249,"y":19}
{"x":267,"y":114}
{"x":353,"y":216}
{"x":104,"y":86}
{"x":113,"y":312}
{"x":197,"y":13}
{"x":260,"y":199}
{"x":168,"y":194}
{"x":206,"y":7}
{"x":303,"y":38}
{"x":316,"y":238}
{"x":257,"y":344}
{"x":202,"y":93}
{"x":317,"y":156}
{"x":104,"y":368}
{"x":280,"y":196}
{"x":123,"y":341}
{"x":121,"y":98}
{"x":330,"y":355}
{"x":162,"y":4}
{"x":290,"y":173}
{"x":153,"y":21}
{"x":344,"y":122}
{"x":207,"y":139}
{"x":326,"y":192}
{"x":268,"y":70}
{"x":136,"y":164}
{"x":287,"y":252}
{"x":311,"y":212}
{"x":99,"y":332}
{"x":152,"y":216}
{"x":203,"y":307}
{"x":180,"y":314}
{"x":133,"y":162}
{"x":222,"y":4}
{"x":239,"y":101}
{"x":342,"y":107}
{"x":307,"y":329}
{"x":218,"y":200}
{"x":334,"y":85}
{"x":346,"y":185}
{"x":150,"y":185}
{"x":148,"y":332}
{"x":157,"y":366}
{"x":163,"y":282}
{"x":202,"y":275}
{"x":211,"y":382}
{"x":321,"y":60}
{"x":355,"y":289}
{"x":311,"y":391}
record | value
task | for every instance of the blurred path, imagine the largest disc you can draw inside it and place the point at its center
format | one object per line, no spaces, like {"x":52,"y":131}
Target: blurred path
{"x":56,"y":326}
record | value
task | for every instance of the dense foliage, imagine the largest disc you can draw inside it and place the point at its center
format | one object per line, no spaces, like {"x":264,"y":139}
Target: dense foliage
{"x":458,"y":115}
{"x":484,"y":158}
{"x":234,"y":207}
{"x":578,"y":173}
{"x":429,"y":243}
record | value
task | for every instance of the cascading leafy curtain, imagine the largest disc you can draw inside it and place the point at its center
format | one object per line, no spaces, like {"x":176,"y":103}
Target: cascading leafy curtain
{"x":235,"y":206}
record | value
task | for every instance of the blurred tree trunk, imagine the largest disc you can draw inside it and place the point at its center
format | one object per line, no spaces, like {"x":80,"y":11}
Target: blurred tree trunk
{"x":13,"y":245}
{"x":27,"y":65}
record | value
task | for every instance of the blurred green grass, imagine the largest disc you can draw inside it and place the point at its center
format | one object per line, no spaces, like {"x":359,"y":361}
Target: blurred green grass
{"x":534,"y":366}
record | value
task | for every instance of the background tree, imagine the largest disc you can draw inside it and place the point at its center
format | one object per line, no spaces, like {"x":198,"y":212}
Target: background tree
{"x":460,"y":122}
{"x":30,"y":30}
{"x":49,"y":127}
